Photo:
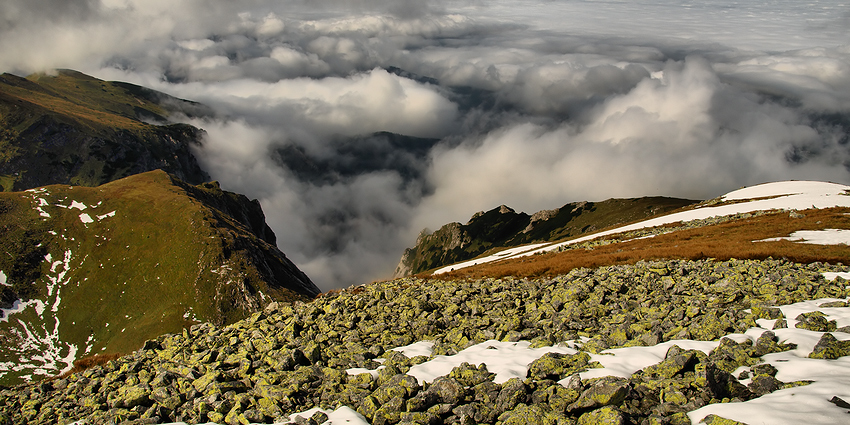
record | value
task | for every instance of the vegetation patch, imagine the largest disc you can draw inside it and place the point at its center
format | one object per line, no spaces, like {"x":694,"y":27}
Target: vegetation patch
{"x":727,"y":239}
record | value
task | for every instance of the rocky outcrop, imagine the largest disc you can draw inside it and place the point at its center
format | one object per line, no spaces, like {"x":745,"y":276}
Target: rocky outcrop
{"x":502,"y":227}
{"x":290,"y":358}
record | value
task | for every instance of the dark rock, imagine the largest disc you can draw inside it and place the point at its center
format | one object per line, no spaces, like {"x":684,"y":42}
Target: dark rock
{"x":815,"y":321}
{"x":606,"y":415}
{"x":604,"y":392}
{"x":828,"y":347}
{"x":513,"y":392}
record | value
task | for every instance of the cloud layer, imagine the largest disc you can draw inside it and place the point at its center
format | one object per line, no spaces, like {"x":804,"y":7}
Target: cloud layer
{"x":357,"y":124}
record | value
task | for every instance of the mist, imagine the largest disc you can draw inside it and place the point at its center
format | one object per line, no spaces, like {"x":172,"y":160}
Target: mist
{"x":357,"y":124}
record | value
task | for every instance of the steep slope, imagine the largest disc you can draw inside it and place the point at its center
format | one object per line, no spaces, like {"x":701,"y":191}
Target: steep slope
{"x":71,"y":128}
{"x":91,"y":270}
{"x":503,"y":227}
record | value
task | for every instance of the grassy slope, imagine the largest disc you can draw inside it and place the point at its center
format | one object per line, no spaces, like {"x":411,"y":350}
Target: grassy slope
{"x":161,"y":261}
{"x":93,"y":130}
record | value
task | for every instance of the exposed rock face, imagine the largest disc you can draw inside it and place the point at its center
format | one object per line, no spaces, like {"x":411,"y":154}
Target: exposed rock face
{"x":75,"y":129}
{"x":504,"y":227}
{"x":540,"y":216}
{"x":106,"y":268}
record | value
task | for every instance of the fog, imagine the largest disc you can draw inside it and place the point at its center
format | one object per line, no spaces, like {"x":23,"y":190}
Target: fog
{"x":357,"y":124}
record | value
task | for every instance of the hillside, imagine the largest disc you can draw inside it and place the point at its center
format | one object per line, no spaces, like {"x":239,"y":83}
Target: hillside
{"x":630,"y":341}
{"x":503,"y":227}
{"x":101,"y":270}
{"x":71,"y":128}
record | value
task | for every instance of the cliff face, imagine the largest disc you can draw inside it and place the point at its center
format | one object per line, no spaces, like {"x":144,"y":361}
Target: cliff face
{"x":504,"y":227}
{"x":103,"y":269}
{"x":74,"y":129}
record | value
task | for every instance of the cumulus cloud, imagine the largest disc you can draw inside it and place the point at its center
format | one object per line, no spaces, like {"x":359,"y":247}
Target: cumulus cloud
{"x":358,"y":123}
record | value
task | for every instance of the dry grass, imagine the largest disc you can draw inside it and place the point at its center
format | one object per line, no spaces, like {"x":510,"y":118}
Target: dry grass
{"x":734,"y":239}
{"x":89,"y":362}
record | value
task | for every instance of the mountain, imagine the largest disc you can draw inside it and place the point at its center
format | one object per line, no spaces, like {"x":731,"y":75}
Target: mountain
{"x":631,"y":339}
{"x":100,"y":270}
{"x":70,"y":128}
{"x":503,"y":227}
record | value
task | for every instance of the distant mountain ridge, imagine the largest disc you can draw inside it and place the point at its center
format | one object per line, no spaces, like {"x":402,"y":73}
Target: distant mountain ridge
{"x":503,"y":227}
{"x":72,"y":128}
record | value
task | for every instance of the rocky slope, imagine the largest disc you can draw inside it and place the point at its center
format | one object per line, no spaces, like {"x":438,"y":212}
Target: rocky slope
{"x":503,"y":227}
{"x":101,"y":270}
{"x":71,"y":128}
{"x":290,"y":358}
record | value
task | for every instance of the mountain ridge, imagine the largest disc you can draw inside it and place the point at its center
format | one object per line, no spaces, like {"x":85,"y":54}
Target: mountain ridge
{"x":502,"y":227}
{"x":72,"y":128}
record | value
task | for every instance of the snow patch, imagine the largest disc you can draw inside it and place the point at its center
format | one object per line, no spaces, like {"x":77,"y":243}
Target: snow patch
{"x":834,"y":275}
{"x":109,"y":214}
{"x":78,"y":205}
{"x":817,"y":237}
{"x":506,"y":359}
{"x":85,"y":218}
{"x":421,"y":348}
{"x":342,"y":415}
{"x":4,"y":279}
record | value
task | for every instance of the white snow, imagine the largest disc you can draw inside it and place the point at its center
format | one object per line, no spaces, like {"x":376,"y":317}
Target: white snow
{"x":787,"y":195}
{"x":342,"y":415}
{"x":628,"y":360}
{"x":3,"y":279}
{"x":85,"y":218}
{"x":78,"y":205}
{"x":833,"y":275}
{"x":109,"y":214}
{"x":817,"y":237}
{"x":421,"y":348}
{"x":38,"y":344}
{"x":17,"y":307}
{"x":787,"y":188}
{"x":506,"y":359}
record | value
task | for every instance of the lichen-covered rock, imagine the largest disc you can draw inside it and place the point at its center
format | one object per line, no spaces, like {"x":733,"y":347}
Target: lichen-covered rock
{"x":717,"y":420}
{"x":533,"y":414}
{"x":558,"y":366}
{"x":447,"y":390}
{"x":675,"y":362}
{"x":828,"y":347}
{"x":291,"y":358}
{"x":606,"y":415}
{"x":815,"y":321}
{"x":513,"y":392}
{"x":604,"y":392}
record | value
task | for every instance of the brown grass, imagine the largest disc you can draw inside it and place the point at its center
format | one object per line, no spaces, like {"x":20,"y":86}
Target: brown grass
{"x":734,"y":239}
{"x":89,"y":362}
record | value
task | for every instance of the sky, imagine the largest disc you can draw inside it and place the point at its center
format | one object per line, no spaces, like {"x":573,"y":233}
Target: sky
{"x":359,"y":123}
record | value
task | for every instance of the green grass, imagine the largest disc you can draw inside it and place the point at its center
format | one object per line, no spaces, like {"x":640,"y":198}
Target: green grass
{"x":140,"y":271}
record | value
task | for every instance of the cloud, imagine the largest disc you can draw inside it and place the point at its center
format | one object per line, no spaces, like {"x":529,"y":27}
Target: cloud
{"x":358,"y":123}
{"x":684,"y":133}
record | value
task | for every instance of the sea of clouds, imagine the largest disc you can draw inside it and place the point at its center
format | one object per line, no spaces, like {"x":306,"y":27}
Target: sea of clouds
{"x":532,"y":104}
